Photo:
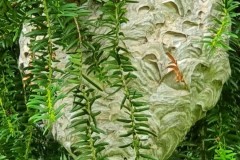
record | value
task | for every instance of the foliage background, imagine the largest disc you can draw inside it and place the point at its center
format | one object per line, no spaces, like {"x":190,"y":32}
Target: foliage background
{"x":216,"y":136}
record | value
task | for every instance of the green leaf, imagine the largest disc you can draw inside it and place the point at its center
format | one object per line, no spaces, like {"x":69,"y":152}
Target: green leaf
{"x":92,"y":82}
{"x":36,"y":33}
{"x":141,"y":118}
{"x":125,"y":146}
{"x":77,"y":122}
{"x":147,"y":157}
{"x":79,"y":114}
{"x":145,"y":132}
{"x":127,"y":134}
{"x":124,"y":120}
{"x":123,"y":101}
{"x":141,"y":109}
{"x":141,"y":115}
{"x":138,"y":103}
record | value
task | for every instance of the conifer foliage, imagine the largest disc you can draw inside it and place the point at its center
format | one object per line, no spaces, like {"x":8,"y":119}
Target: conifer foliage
{"x":30,"y":96}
